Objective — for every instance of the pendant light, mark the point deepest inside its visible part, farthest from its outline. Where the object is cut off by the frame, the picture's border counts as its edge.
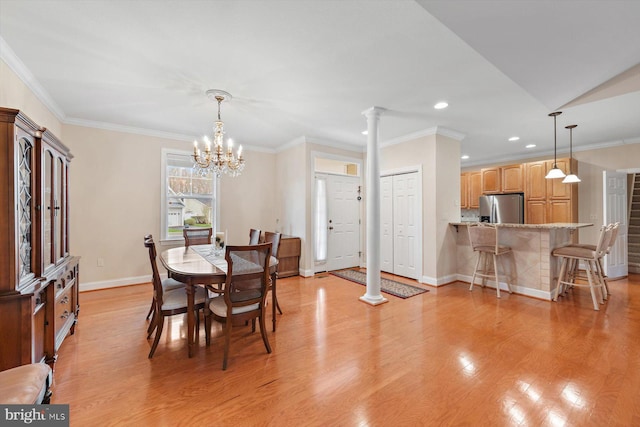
(555, 172)
(571, 178)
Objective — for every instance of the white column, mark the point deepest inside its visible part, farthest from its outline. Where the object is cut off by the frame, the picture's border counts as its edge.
(373, 295)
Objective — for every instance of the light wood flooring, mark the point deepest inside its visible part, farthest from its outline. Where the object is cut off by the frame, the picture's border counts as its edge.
(446, 357)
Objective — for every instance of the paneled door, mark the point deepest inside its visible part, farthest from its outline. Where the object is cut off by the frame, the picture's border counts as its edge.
(342, 221)
(615, 210)
(400, 216)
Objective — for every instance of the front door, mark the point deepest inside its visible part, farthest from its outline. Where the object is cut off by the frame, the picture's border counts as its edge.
(343, 222)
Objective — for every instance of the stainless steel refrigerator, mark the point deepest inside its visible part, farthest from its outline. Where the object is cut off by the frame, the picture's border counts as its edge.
(502, 208)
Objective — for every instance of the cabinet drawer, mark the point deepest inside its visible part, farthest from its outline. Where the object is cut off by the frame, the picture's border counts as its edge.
(64, 315)
(289, 247)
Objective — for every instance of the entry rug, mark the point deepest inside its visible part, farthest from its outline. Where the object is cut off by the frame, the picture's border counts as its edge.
(387, 286)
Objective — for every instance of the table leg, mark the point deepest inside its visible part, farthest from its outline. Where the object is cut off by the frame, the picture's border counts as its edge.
(190, 288)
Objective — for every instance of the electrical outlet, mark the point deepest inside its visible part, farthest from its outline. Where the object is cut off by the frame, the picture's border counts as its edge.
(100, 262)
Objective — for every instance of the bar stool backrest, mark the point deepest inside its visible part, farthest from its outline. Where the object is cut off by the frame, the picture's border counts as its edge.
(483, 237)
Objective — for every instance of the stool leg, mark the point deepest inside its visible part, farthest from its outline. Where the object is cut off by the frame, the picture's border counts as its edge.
(495, 271)
(475, 270)
(591, 286)
(603, 279)
(509, 277)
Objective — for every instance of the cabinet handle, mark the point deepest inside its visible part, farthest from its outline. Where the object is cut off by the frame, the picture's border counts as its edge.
(65, 299)
(65, 315)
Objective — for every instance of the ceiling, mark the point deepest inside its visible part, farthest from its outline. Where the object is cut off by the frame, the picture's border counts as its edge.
(309, 68)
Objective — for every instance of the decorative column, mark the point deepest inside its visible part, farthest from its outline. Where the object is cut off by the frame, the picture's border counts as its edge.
(373, 295)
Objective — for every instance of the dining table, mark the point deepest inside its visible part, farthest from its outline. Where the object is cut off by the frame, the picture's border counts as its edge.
(203, 265)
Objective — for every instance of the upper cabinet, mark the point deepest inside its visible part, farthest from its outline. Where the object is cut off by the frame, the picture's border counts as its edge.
(475, 189)
(550, 200)
(513, 179)
(470, 190)
(491, 180)
(504, 179)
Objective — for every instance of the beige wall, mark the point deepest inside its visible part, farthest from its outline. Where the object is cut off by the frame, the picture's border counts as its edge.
(439, 157)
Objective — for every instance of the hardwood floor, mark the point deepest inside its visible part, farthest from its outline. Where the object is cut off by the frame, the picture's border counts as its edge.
(446, 357)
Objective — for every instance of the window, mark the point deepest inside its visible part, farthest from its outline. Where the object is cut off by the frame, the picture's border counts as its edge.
(188, 199)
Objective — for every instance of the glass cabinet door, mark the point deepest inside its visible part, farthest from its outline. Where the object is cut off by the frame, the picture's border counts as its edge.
(48, 210)
(25, 156)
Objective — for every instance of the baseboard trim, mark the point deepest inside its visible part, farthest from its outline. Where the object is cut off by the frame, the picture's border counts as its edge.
(115, 283)
(439, 281)
(306, 273)
(534, 293)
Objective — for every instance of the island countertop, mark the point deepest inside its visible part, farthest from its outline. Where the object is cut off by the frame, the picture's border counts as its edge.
(569, 225)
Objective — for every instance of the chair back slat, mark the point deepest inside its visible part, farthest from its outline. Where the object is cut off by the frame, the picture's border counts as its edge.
(247, 275)
(254, 236)
(274, 239)
(483, 235)
(155, 274)
(197, 236)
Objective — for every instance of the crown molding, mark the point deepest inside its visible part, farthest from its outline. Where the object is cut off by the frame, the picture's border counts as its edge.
(436, 130)
(319, 141)
(20, 69)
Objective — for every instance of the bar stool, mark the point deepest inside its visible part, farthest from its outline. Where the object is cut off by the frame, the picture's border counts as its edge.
(484, 240)
(609, 244)
(571, 255)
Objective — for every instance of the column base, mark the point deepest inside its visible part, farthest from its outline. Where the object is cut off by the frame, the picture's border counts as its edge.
(373, 301)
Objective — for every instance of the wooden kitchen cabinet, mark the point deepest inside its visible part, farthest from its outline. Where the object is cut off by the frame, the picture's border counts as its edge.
(536, 184)
(536, 212)
(475, 189)
(491, 180)
(512, 178)
(464, 190)
(38, 277)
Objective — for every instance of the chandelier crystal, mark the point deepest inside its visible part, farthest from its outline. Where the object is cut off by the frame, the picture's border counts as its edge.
(218, 160)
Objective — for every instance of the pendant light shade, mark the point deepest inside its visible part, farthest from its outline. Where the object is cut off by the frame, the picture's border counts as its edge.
(571, 178)
(555, 172)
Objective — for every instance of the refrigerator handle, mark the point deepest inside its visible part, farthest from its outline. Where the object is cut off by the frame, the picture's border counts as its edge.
(494, 218)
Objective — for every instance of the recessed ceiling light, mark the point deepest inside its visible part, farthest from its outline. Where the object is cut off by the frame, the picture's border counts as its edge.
(464, 157)
(440, 105)
(365, 132)
(514, 138)
(530, 145)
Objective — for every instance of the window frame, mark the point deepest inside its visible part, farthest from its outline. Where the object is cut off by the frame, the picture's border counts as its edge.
(165, 239)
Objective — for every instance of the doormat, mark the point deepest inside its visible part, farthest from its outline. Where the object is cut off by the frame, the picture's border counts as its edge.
(388, 286)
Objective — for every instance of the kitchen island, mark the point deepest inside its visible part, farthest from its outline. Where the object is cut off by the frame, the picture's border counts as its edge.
(534, 268)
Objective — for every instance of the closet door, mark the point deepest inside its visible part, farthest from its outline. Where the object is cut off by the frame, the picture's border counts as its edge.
(386, 224)
(405, 219)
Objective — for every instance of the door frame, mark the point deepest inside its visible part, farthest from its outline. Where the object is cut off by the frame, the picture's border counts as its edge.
(322, 155)
(621, 241)
(419, 251)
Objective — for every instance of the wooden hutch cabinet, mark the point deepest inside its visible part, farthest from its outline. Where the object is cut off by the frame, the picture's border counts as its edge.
(38, 277)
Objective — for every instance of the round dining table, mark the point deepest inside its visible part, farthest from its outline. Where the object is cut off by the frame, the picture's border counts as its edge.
(200, 265)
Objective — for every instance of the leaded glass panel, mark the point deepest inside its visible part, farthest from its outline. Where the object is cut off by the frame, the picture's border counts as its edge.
(25, 200)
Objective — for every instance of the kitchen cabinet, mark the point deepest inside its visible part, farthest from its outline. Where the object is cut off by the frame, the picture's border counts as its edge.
(464, 190)
(38, 276)
(559, 201)
(491, 180)
(503, 179)
(512, 178)
(475, 189)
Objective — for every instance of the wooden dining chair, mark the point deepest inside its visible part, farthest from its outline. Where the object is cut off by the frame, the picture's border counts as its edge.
(254, 236)
(168, 284)
(167, 303)
(244, 293)
(197, 236)
(274, 239)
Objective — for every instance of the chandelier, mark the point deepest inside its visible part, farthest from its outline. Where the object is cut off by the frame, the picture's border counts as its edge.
(218, 160)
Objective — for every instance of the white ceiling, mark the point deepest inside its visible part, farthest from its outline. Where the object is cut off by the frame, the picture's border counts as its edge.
(310, 67)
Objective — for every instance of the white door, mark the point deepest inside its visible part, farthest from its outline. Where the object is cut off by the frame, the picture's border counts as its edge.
(615, 210)
(343, 222)
(405, 218)
(386, 224)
